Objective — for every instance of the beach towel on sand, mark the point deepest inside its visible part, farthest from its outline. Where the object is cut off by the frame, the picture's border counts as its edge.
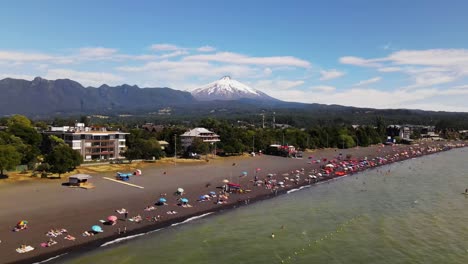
(24, 250)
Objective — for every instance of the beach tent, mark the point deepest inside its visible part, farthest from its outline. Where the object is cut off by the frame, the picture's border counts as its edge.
(22, 223)
(233, 186)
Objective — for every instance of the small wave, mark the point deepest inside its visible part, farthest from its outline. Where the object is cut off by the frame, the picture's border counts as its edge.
(49, 259)
(298, 189)
(154, 231)
(118, 240)
(191, 219)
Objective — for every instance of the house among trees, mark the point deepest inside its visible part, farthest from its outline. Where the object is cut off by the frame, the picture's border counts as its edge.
(152, 127)
(92, 144)
(408, 132)
(199, 132)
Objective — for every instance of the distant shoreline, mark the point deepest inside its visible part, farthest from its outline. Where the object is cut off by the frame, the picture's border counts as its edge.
(257, 194)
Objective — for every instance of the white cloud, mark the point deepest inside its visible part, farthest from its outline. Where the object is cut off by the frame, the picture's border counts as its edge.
(323, 88)
(461, 87)
(359, 61)
(267, 71)
(17, 76)
(368, 81)
(206, 49)
(390, 69)
(330, 74)
(230, 57)
(425, 68)
(431, 57)
(85, 78)
(94, 52)
(276, 84)
(165, 47)
(24, 56)
(425, 99)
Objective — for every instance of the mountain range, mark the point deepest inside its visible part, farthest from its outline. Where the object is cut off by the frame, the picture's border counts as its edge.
(64, 96)
(226, 98)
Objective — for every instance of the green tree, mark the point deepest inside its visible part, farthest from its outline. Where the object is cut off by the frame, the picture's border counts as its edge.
(63, 159)
(20, 126)
(144, 149)
(198, 146)
(9, 158)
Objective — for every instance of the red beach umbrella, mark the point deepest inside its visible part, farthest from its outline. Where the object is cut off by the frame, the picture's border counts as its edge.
(112, 218)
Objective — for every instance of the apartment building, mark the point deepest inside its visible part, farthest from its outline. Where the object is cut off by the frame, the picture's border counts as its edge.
(92, 144)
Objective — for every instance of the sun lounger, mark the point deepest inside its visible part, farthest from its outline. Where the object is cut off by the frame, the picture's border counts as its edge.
(121, 211)
(24, 250)
(69, 237)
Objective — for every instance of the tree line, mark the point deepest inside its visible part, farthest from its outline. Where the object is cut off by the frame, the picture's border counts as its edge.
(21, 140)
(22, 143)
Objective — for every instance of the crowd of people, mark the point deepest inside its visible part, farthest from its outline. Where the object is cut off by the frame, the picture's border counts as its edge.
(315, 169)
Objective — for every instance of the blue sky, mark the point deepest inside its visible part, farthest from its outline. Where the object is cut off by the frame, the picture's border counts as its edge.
(382, 54)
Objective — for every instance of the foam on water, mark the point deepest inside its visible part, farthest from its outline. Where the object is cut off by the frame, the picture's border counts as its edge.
(191, 219)
(118, 240)
(298, 189)
(49, 259)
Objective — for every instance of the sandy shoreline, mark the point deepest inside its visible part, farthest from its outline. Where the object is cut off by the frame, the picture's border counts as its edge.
(50, 205)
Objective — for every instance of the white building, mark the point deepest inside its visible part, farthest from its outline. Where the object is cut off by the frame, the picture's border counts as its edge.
(91, 144)
(198, 132)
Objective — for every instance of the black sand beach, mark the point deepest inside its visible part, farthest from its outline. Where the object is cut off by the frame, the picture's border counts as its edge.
(49, 205)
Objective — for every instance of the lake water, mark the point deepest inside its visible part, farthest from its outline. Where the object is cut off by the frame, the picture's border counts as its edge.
(408, 212)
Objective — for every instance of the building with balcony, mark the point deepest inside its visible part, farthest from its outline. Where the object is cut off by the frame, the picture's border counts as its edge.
(198, 132)
(92, 144)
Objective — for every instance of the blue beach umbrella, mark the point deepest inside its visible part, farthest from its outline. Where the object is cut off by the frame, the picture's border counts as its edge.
(97, 229)
(184, 200)
(212, 193)
(202, 197)
(244, 173)
(162, 200)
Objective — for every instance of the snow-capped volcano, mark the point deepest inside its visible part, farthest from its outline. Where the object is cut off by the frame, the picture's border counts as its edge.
(228, 89)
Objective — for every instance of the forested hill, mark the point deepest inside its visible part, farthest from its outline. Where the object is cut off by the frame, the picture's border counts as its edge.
(63, 96)
(45, 99)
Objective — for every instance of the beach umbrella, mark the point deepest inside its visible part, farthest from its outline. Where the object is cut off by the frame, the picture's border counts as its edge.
(225, 180)
(162, 200)
(112, 218)
(97, 229)
(330, 166)
(22, 223)
(184, 200)
(244, 173)
(281, 183)
(258, 169)
(202, 197)
(270, 175)
(212, 193)
(180, 190)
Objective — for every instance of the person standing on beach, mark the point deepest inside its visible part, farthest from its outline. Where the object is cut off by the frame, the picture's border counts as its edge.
(126, 215)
